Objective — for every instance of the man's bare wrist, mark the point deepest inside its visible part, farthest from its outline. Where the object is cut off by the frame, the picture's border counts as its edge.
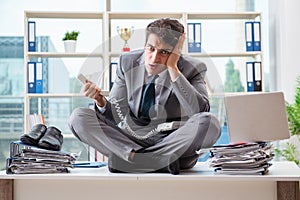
(100, 101)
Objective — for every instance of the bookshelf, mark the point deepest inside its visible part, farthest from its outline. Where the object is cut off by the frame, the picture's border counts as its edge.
(28, 56)
(110, 40)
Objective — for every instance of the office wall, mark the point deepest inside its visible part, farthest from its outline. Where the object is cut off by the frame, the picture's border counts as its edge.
(285, 52)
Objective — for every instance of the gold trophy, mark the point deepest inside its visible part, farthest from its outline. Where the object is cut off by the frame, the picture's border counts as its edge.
(125, 34)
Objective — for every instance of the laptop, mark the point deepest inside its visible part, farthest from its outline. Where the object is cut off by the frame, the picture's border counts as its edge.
(256, 117)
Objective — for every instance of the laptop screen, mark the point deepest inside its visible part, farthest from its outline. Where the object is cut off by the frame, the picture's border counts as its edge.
(256, 117)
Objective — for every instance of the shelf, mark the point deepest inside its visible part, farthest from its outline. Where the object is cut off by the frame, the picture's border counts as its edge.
(61, 54)
(10, 97)
(58, 95)
(54, 95)
(115, 54)
(125, 15)
(246, 54)
(242, 15)
(64, 15)
(141, 16)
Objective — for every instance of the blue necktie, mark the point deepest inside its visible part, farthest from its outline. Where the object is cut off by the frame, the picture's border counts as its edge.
(148, 99)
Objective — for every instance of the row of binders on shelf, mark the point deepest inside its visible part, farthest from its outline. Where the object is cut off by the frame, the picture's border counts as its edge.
(194, 37)
(26, 159)
(194, 34)
(253, 36)
(254, 76)
(241, 158)
(35, 77)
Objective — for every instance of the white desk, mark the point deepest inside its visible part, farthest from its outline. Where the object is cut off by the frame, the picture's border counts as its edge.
(282, 183)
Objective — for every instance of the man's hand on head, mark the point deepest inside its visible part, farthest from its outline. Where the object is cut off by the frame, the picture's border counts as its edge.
(174, 57)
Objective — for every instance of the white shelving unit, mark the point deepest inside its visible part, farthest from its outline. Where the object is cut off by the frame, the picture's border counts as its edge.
(32, 15)
(184, 18)
(107, 17)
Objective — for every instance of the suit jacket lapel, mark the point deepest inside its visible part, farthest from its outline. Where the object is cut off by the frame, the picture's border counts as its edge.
(137, 81)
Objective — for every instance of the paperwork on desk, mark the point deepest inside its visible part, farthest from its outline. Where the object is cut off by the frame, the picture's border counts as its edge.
(25, 159)
(241, 158)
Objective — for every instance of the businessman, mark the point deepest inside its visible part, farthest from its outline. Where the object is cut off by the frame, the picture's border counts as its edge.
(153, 86)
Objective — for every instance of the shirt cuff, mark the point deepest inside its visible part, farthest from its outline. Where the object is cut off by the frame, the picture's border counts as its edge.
(101, 109)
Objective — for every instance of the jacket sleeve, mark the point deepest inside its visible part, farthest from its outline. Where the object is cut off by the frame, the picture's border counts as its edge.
(190, 89)
(117, 104)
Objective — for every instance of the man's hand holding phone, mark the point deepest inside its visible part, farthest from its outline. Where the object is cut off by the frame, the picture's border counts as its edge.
(91, 90)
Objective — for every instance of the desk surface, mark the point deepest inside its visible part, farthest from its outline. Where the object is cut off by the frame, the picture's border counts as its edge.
(279, 171)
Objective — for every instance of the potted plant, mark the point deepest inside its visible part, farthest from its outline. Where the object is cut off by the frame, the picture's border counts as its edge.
(291, 150)
(70, 39)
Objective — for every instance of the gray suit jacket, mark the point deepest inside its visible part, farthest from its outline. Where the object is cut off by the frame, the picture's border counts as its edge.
(178, 100)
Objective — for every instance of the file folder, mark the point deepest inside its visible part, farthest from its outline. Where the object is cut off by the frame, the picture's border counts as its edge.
(190, 33)
(112, 73)
(31, 77)
(250, 74)
(257, 76)
(39, 77)
(89, 164)
(249, 36)
(194, 37)
(31, 36)
(256, 36)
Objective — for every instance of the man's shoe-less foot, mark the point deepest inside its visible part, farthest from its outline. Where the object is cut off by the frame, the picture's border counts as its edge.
(173, 167)
(162, 165)
(118, 165)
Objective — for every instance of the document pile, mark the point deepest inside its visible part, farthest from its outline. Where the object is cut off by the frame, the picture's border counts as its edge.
(241, 158)
(25, 159)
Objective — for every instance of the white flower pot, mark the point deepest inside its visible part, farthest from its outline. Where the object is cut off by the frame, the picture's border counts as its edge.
(70, 46)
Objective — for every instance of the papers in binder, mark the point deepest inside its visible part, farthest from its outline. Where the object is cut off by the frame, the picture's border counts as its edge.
(241, 158)
(194, 37)
(250, 81)
(257, 76)
(26, 159)
(256, 36)
(39, 77)
(249, 36)
(253, 36)
(254, 76)
(31, 77)
(31, 36)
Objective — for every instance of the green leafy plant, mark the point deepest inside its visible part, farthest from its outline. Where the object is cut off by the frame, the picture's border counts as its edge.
(71, 35)
(293, 111)
(290, 152)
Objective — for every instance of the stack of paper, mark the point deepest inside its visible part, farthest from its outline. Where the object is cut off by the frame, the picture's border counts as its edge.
(25, 159)
(241, 158)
